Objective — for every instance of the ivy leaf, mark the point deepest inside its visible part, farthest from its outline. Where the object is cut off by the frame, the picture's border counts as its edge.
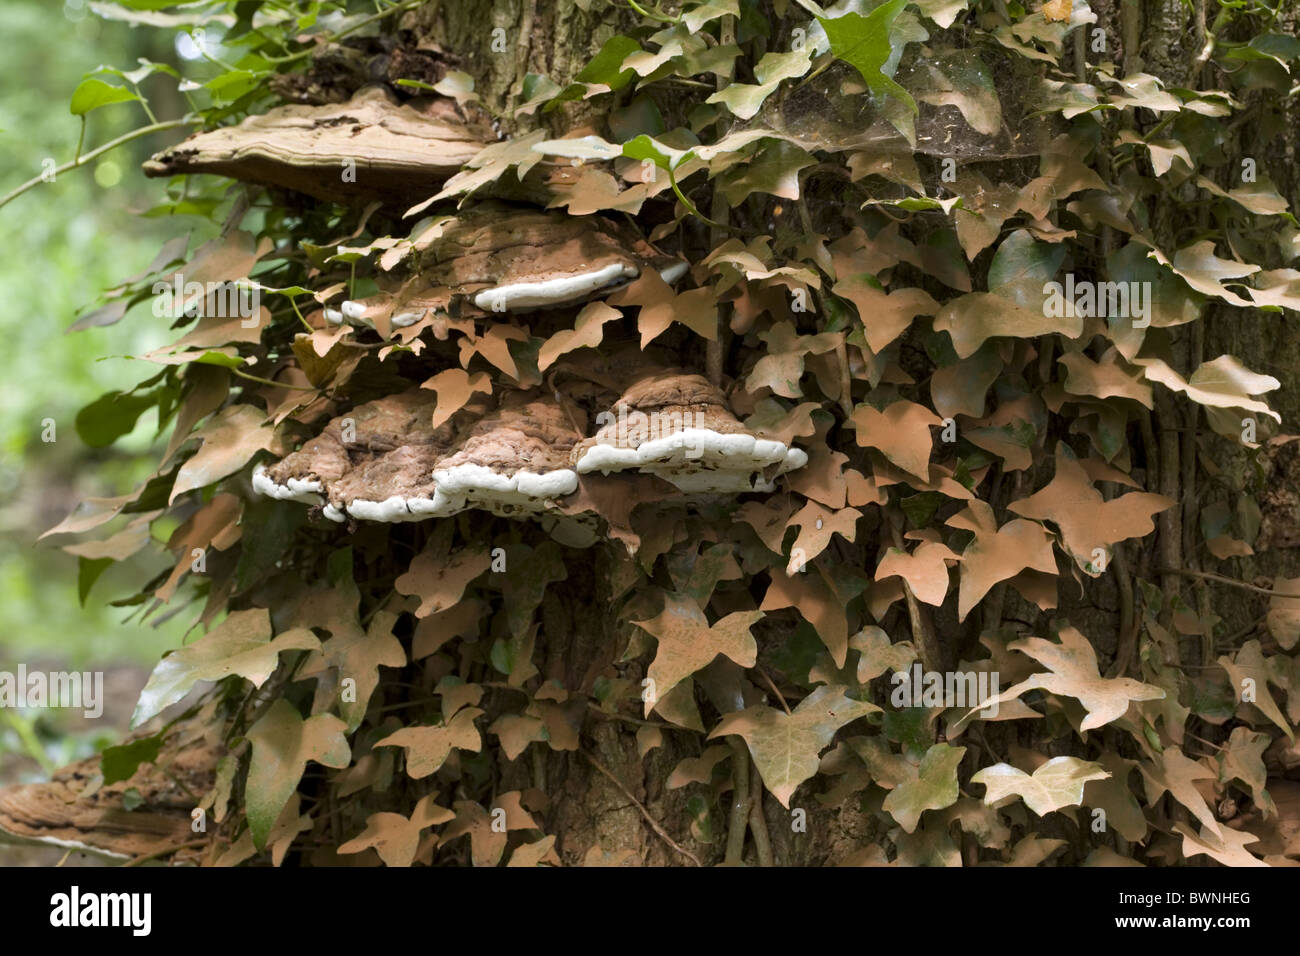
(588, 329)
(439, 580)
(785, 746)
(745, 99)
(972, 318)
(1249, 669)
(282, 744)
(1088, 522)
(91, 94)
(427, 748)
(397, 838)
(606, 66)
(864, 43)
(687, 642)
(120, 763)
(934, 788)
(1021, 266)
(1056, 784)
(241, 644)
(660, 306)
(1074, 673)
(454, 388)
(901, 432)
(1177, 773)
(1228, 849)
(355, 654)
(230, 439)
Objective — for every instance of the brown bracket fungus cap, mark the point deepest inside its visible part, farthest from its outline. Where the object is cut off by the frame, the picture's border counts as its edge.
(675, 425)
(374, 463)
(396, 150)
(69, 811)
(497, 258)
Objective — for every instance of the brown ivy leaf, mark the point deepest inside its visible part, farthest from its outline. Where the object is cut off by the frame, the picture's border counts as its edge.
(817, 603)
(395, 837)
(972, 318)
(785, 746)
(215, 525)
(997, 554)
(232, 437)
(697, 309)
(1221, 383)
(901, 432)
(588, 329)
(1088, 523)
(282, 745)
(487, 836)
(454, 388)
(1228, 848)
(924, 569)
(1284, 612)
(770, 520)
(687, 642)
(1057, 783)
(1242, 758)
(1176, 772)
(427, 748)
(885, 316)
(440, 580)
(241, 644)
(1074, 673)
(816, 525)
(494, 345)
(782, 367)
(1105, 379)
(357, 655)
(1250, 674)
(934, 788)
(595, 190)
(698, 769)
(823, 479)
(877, 654)
(535, 854)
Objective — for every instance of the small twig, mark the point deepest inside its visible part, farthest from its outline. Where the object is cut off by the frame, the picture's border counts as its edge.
(770, 683)
(738, 825)
(1220, 579)
(654, 824)
(82, 160)
(757, 821)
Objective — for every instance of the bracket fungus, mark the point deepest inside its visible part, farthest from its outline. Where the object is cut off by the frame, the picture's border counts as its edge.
(498, 258)
(72, 812)
(384, 460)
(676, 425)
(392, 150)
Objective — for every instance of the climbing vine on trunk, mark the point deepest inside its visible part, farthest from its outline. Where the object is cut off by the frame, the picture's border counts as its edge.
(789, 435)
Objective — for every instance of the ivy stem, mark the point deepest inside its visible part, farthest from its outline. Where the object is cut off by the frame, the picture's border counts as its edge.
(94, 153)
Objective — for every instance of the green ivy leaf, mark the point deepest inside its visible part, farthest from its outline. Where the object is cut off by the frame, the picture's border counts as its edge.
(91, 94)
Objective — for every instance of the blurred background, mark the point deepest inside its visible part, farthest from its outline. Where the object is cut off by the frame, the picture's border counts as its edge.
(61, 245)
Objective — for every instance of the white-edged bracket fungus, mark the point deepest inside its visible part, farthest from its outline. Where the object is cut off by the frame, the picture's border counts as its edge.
(383, 460)
(395, 150)
(676, 426)
(499, 258)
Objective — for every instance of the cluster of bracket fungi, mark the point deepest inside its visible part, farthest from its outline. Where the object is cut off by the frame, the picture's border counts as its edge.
(520, 454)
